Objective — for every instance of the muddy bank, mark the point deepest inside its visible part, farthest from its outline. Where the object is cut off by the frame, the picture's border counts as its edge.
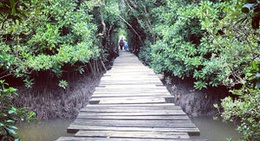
(54, 102)
(195, 102)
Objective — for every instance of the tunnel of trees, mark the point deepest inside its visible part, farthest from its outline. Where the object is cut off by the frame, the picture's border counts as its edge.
(211, 41)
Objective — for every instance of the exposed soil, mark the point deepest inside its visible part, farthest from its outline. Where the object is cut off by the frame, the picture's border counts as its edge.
(195, 102)
(55, 102)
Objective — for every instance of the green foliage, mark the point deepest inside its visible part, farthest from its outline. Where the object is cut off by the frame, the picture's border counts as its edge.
(53, 34)
(246, 108)
(13, 10)
(213, 42)
(10, 115)
(63, 84)
(246, 112)
(202, 40)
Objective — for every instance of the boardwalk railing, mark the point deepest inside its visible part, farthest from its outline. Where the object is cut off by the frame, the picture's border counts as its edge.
(131, 104)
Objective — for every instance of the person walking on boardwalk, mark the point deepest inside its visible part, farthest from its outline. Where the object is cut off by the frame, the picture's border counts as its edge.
(126, 48)
(121, 43)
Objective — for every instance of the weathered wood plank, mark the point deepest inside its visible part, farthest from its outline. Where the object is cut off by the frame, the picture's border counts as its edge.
(112, 95)
(141, 82)
(136, 123)
(130, 75)
(121, 139)
(136, 85)
(133, 90)
(130, 78)
(133, 100)
(127, 72)
(158, 113)
(119, 87)
(133, 105)
(105, 117)
(129, 98)
(133, 108)
(132, 134)
(128, 110)
(76, 128)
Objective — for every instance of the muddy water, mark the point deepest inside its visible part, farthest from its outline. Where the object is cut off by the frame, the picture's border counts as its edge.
(215, 130)
(53, 129)
(44, 130)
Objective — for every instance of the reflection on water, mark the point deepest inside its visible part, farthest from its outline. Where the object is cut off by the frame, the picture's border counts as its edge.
(215, 130)
(44, 130)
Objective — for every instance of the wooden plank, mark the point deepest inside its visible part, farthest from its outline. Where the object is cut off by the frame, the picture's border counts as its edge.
(132, 101)
(129, 98)
(112, 95)
(134, 84)
(129, 78)
(159, 107)
(132, 134)
(121, 139)
(117, 76)
(75, 128)
(172, 112)
(136, 123)
(141, 82)
(129, 110)
(154, 113)
(143, 86)
(131, 92)
(130, 73)
(115, 72)
(134, 105)
(105, 117)
(102, 90)
(134, 89)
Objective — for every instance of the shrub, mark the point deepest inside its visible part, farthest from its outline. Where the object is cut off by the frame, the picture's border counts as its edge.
(10, 115)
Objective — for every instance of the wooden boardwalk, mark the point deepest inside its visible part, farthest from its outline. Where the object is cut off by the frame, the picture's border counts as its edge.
(131, 104)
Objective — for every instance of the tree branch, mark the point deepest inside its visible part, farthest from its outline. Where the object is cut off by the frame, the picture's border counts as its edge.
(102, 21)
(139, 37)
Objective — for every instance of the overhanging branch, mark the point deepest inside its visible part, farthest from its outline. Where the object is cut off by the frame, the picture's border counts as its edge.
(128, 24)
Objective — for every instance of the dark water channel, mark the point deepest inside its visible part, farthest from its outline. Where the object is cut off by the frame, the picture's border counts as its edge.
(214, 130)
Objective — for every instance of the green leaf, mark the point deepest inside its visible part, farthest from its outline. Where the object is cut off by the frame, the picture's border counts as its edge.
(12, 2)
(12, 131)
(10, 121)
(254, 65)
(200, 85)
(12, 110)
(31, 114)
(12, 127)
(12, 90)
